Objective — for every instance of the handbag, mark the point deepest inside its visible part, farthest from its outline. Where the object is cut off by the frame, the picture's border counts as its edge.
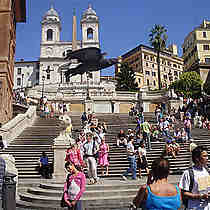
(63, 202)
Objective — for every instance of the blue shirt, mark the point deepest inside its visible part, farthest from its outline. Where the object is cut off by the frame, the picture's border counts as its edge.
(155, 202)
(44, 160)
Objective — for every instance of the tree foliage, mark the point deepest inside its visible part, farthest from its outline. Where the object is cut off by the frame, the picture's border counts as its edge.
(206, 87)
(157, 39)
(189, 84)
(126, 79)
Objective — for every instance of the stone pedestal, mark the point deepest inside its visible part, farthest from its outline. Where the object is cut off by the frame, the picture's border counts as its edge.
(11, 168)
(60, 146)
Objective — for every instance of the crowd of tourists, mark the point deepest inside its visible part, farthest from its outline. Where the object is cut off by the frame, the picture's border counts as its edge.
(50, 109)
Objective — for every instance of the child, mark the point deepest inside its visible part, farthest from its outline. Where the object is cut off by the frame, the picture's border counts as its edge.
(74, 187)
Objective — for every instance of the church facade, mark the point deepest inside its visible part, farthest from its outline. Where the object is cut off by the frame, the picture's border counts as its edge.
(53, 51)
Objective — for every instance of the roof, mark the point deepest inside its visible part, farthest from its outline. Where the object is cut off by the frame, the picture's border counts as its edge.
(52, 13)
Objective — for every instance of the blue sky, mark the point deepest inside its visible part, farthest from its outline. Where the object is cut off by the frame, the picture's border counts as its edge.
(124, 24)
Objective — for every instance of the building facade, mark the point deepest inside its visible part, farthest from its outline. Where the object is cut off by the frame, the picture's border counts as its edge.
(196, 50)
(26, 74)
(11, 12)
(53, 49)
(143, 60)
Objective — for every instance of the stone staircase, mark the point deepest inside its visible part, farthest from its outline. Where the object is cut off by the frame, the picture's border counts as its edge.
(28, 147)
(112, 192)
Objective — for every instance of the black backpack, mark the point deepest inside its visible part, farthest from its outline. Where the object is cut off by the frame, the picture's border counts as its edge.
(185, 198)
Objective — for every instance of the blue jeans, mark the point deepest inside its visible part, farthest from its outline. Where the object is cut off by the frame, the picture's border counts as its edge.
(78, 206)
(132, 167)
(188, 133)
(146, 138)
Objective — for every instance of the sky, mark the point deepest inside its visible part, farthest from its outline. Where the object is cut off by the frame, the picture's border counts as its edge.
(124, 24)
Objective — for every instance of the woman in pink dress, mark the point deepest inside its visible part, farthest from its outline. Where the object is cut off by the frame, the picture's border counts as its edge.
(103, 157)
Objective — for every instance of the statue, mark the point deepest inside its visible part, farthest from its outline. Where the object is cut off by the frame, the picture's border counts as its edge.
(89, 59)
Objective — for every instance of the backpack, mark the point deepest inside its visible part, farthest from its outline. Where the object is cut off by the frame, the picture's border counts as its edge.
(185, 199)
(63, 202)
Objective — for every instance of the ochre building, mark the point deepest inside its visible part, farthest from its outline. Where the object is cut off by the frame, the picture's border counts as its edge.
(11, 12)
(143, 60)
(196, 50)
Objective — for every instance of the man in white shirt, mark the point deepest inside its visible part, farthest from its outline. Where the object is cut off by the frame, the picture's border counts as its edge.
(198, 196)
(90, 149)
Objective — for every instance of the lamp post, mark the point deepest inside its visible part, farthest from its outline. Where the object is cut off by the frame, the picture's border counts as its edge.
(22, 82)
(43, 79)
(170, 80)
(88, 94)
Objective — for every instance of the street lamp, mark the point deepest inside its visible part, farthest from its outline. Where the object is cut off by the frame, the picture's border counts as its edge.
(43, 78)
(88, 94)
(170, 80)
(22, 82)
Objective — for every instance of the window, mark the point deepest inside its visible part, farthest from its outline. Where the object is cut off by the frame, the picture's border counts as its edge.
(204, 34)
(174, 65)
(151, 58)
(205, 47)
(145, 56)
(153, 66)
(18, 81)
(139, 80)
(154, 74)
(175, 73)
(49, 35)
(154, 83)
(165, 77)
(147, 82)
(207, 60)
(19, 71)
(90, 33)
(37, 75)
(147, 73)
(147, 64)
(48, 75)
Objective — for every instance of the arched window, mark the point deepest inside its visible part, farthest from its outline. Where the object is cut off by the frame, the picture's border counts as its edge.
(49, 35)
(90, 33)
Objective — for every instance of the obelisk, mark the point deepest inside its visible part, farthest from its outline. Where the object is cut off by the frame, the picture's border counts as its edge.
(74, 32)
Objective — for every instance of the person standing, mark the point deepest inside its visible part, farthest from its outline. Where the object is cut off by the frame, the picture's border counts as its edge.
(198, 195)
(142, 159)
(146, 134)
(131, 159)
(90, 150)
(103, 156)
(2, 174)
(188, 127)
(74, 187)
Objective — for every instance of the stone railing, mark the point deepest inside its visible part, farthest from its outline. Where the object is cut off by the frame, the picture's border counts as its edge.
(14, 127)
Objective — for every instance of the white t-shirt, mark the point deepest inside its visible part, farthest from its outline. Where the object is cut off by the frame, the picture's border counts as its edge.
(166, 125)
(130, 150)
(142, 151)
(201, 185)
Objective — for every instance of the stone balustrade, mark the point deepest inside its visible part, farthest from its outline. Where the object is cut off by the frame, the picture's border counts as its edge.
(14, 127)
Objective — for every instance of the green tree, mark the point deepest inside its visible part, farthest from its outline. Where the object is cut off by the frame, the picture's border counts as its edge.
(157, 39)
(189, 84)
(206, 87)
(126, 79)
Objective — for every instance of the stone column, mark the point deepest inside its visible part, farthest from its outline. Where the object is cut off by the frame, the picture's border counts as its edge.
(60, 146)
